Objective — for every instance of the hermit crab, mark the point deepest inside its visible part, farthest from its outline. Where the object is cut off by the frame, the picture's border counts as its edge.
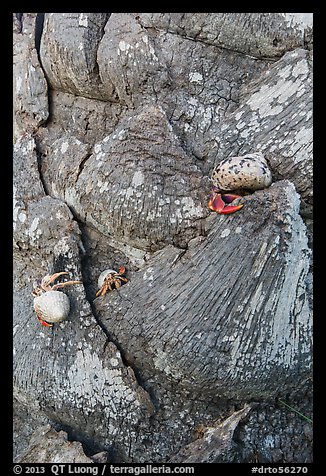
(111, 279)
(51, 306)
(247, 173)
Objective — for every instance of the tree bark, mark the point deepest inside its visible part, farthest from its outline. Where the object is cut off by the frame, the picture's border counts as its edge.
(119, 121)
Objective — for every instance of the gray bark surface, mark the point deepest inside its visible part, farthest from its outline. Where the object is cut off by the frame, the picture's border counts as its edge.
(217, 327)
(214, 444)
(119, 121)
(49, 446)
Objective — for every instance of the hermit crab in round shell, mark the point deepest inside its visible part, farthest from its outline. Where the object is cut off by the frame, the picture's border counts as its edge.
(247, 173)
(111, 279)
(51, 306)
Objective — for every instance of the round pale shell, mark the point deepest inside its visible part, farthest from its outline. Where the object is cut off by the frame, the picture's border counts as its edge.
(52, 306)
(103, 275)
(249, 172)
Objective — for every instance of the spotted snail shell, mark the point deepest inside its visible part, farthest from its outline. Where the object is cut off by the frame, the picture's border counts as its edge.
(248, 172)
(52, 306)
(103, 275)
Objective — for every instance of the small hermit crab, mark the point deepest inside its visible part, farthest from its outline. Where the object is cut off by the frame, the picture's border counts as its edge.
(244, 173)
(51, 306)
(111, 279)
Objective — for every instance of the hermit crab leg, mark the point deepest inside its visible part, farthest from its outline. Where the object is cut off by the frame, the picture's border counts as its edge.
(67, 283)
(47, 281)
(54, 276)
(101, 291)
(50, 279)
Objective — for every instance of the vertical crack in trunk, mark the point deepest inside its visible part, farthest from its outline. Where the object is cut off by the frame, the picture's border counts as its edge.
(39, 23)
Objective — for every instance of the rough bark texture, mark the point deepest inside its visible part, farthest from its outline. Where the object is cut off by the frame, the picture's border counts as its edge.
(119, 121)
(214, 444)
(49, 446)
(218, 328)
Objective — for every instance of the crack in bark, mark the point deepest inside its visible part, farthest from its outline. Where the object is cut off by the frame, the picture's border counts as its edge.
(19, 18)
(39, 163)
(82, 165)
(96, 70)
(125, 361)
(209, 43)
(94, 313)
(39, 24)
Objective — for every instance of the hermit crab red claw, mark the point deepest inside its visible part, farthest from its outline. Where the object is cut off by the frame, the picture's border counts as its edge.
(221, 202)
